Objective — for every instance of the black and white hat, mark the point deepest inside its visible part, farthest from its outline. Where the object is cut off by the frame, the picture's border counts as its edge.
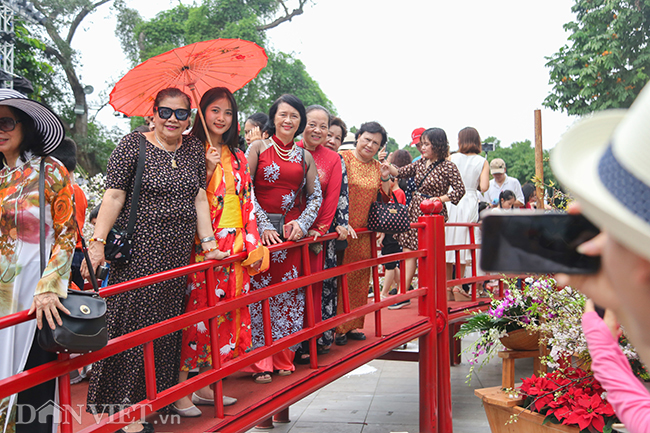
(603, 160)
(47, 123)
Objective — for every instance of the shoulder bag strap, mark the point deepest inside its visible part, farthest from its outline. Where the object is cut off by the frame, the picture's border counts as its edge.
(433, 166)
(91, 271)
(392, 193)
(41, 211)
(136, 188)
(302, 184)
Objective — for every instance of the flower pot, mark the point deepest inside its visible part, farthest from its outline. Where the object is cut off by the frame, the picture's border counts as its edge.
(499, 407)
(521, 339)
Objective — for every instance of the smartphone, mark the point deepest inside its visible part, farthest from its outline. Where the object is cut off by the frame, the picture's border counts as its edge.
(537, 242)
(287, 229)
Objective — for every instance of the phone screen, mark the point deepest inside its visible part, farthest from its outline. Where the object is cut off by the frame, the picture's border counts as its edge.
(537, 242)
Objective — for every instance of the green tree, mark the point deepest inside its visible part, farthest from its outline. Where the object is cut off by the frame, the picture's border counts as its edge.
(29, 62)
(63, 89)
(213, 19)
(608, 61)
(520, 160)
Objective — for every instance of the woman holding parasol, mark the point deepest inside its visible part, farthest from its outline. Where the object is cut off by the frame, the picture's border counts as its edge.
(233, 220)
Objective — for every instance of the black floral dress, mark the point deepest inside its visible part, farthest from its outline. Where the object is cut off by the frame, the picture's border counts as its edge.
(163, 239)
(429, 184)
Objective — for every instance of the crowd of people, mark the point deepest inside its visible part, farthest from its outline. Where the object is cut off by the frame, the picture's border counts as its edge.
(201, 196)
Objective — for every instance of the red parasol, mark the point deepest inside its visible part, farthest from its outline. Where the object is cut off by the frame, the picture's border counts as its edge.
(198, 67)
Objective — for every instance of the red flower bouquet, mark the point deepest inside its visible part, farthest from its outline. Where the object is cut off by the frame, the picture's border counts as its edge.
(569, 396)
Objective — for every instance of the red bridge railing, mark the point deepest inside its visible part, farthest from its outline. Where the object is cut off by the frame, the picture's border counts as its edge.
(431, 327)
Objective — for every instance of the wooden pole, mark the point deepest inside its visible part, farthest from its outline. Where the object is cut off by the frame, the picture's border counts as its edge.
(197, 100)
(539, 159)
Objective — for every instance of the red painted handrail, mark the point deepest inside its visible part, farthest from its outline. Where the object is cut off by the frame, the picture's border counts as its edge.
(435, 414)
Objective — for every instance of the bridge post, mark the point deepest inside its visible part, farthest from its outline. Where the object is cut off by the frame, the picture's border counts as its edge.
(435, 383)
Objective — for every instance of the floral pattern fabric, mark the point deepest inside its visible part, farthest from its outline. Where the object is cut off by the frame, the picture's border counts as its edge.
(163, 239)
(428, 185)
(20, 267)
(287, 309)
(364, 183)
(230, 179)
(330, 286)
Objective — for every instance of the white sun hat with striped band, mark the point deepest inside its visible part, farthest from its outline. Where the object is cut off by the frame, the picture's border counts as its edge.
(47, 123)
(604, 161)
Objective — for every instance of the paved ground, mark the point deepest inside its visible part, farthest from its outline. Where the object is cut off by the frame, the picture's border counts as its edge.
(382, 397)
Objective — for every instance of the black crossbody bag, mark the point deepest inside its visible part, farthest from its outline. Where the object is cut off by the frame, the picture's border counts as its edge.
(84, 330)
(119, 243)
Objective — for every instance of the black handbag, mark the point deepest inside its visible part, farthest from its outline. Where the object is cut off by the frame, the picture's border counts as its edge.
(119, 243)
(84, 330)
(389, 218)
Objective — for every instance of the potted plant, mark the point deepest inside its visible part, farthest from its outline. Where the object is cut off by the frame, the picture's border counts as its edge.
(569, 399)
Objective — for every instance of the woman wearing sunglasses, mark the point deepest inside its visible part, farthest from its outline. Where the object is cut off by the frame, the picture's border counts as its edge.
(172, 208)
(29, 132)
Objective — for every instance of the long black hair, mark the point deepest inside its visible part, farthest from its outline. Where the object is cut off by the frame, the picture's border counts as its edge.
(230, 138)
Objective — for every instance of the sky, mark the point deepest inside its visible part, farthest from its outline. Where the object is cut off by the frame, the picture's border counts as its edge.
(426, 63)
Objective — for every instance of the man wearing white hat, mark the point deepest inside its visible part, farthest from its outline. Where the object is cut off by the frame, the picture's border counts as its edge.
(603, 161)
(501, 182)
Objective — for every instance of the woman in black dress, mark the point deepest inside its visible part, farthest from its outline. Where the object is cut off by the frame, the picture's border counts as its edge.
(172, 208)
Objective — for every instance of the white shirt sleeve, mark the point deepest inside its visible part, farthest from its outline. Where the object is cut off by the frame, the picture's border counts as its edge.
(516, 188)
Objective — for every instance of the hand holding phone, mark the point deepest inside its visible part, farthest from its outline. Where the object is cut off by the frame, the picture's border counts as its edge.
(537, 242)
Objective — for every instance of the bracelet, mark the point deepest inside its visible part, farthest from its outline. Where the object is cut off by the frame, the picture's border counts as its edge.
(209, 250)
(384, 180)
(208, 239)
(97, 240)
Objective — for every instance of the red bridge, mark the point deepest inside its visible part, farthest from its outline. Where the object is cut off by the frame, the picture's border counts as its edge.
(430, 318)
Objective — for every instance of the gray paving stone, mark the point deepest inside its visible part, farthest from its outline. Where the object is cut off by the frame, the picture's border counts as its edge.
(391, 428)
(313, 427)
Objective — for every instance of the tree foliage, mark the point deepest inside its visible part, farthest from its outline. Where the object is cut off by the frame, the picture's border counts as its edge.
(608, 61)
(520, 160)
(183, 25)
(30, 62)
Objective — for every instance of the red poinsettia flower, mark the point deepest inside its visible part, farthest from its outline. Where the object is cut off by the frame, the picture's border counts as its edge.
(588, 412)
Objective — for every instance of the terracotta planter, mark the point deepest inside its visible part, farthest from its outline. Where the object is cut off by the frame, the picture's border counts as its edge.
(521, 339)
(499, 407)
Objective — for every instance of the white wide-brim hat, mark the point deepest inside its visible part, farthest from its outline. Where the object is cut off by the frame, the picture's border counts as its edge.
(47, 123)
(604, 161)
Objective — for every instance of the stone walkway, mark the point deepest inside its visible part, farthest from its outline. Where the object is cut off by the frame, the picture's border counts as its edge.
(382, 397)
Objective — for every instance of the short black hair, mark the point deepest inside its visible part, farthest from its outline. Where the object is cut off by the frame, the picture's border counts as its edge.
(372, 128)
(258, 119)
(66, 152)
(337, 121)
(439, 143)
(171, 92)
(296, 103)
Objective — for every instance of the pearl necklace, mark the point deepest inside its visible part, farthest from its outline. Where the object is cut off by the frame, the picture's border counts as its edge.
(173, 155)
(284, 155)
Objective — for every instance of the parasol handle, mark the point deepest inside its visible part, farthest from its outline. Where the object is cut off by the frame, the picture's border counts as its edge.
(198, 106)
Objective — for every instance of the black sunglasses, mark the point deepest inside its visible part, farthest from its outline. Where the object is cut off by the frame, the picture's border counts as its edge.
(7, 124)
(180, 113)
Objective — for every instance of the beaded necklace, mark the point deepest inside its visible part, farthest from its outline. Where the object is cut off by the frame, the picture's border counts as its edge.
(284, 155)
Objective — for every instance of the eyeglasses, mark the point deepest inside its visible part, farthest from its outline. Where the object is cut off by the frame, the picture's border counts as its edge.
(166, 113)
(7, 124)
